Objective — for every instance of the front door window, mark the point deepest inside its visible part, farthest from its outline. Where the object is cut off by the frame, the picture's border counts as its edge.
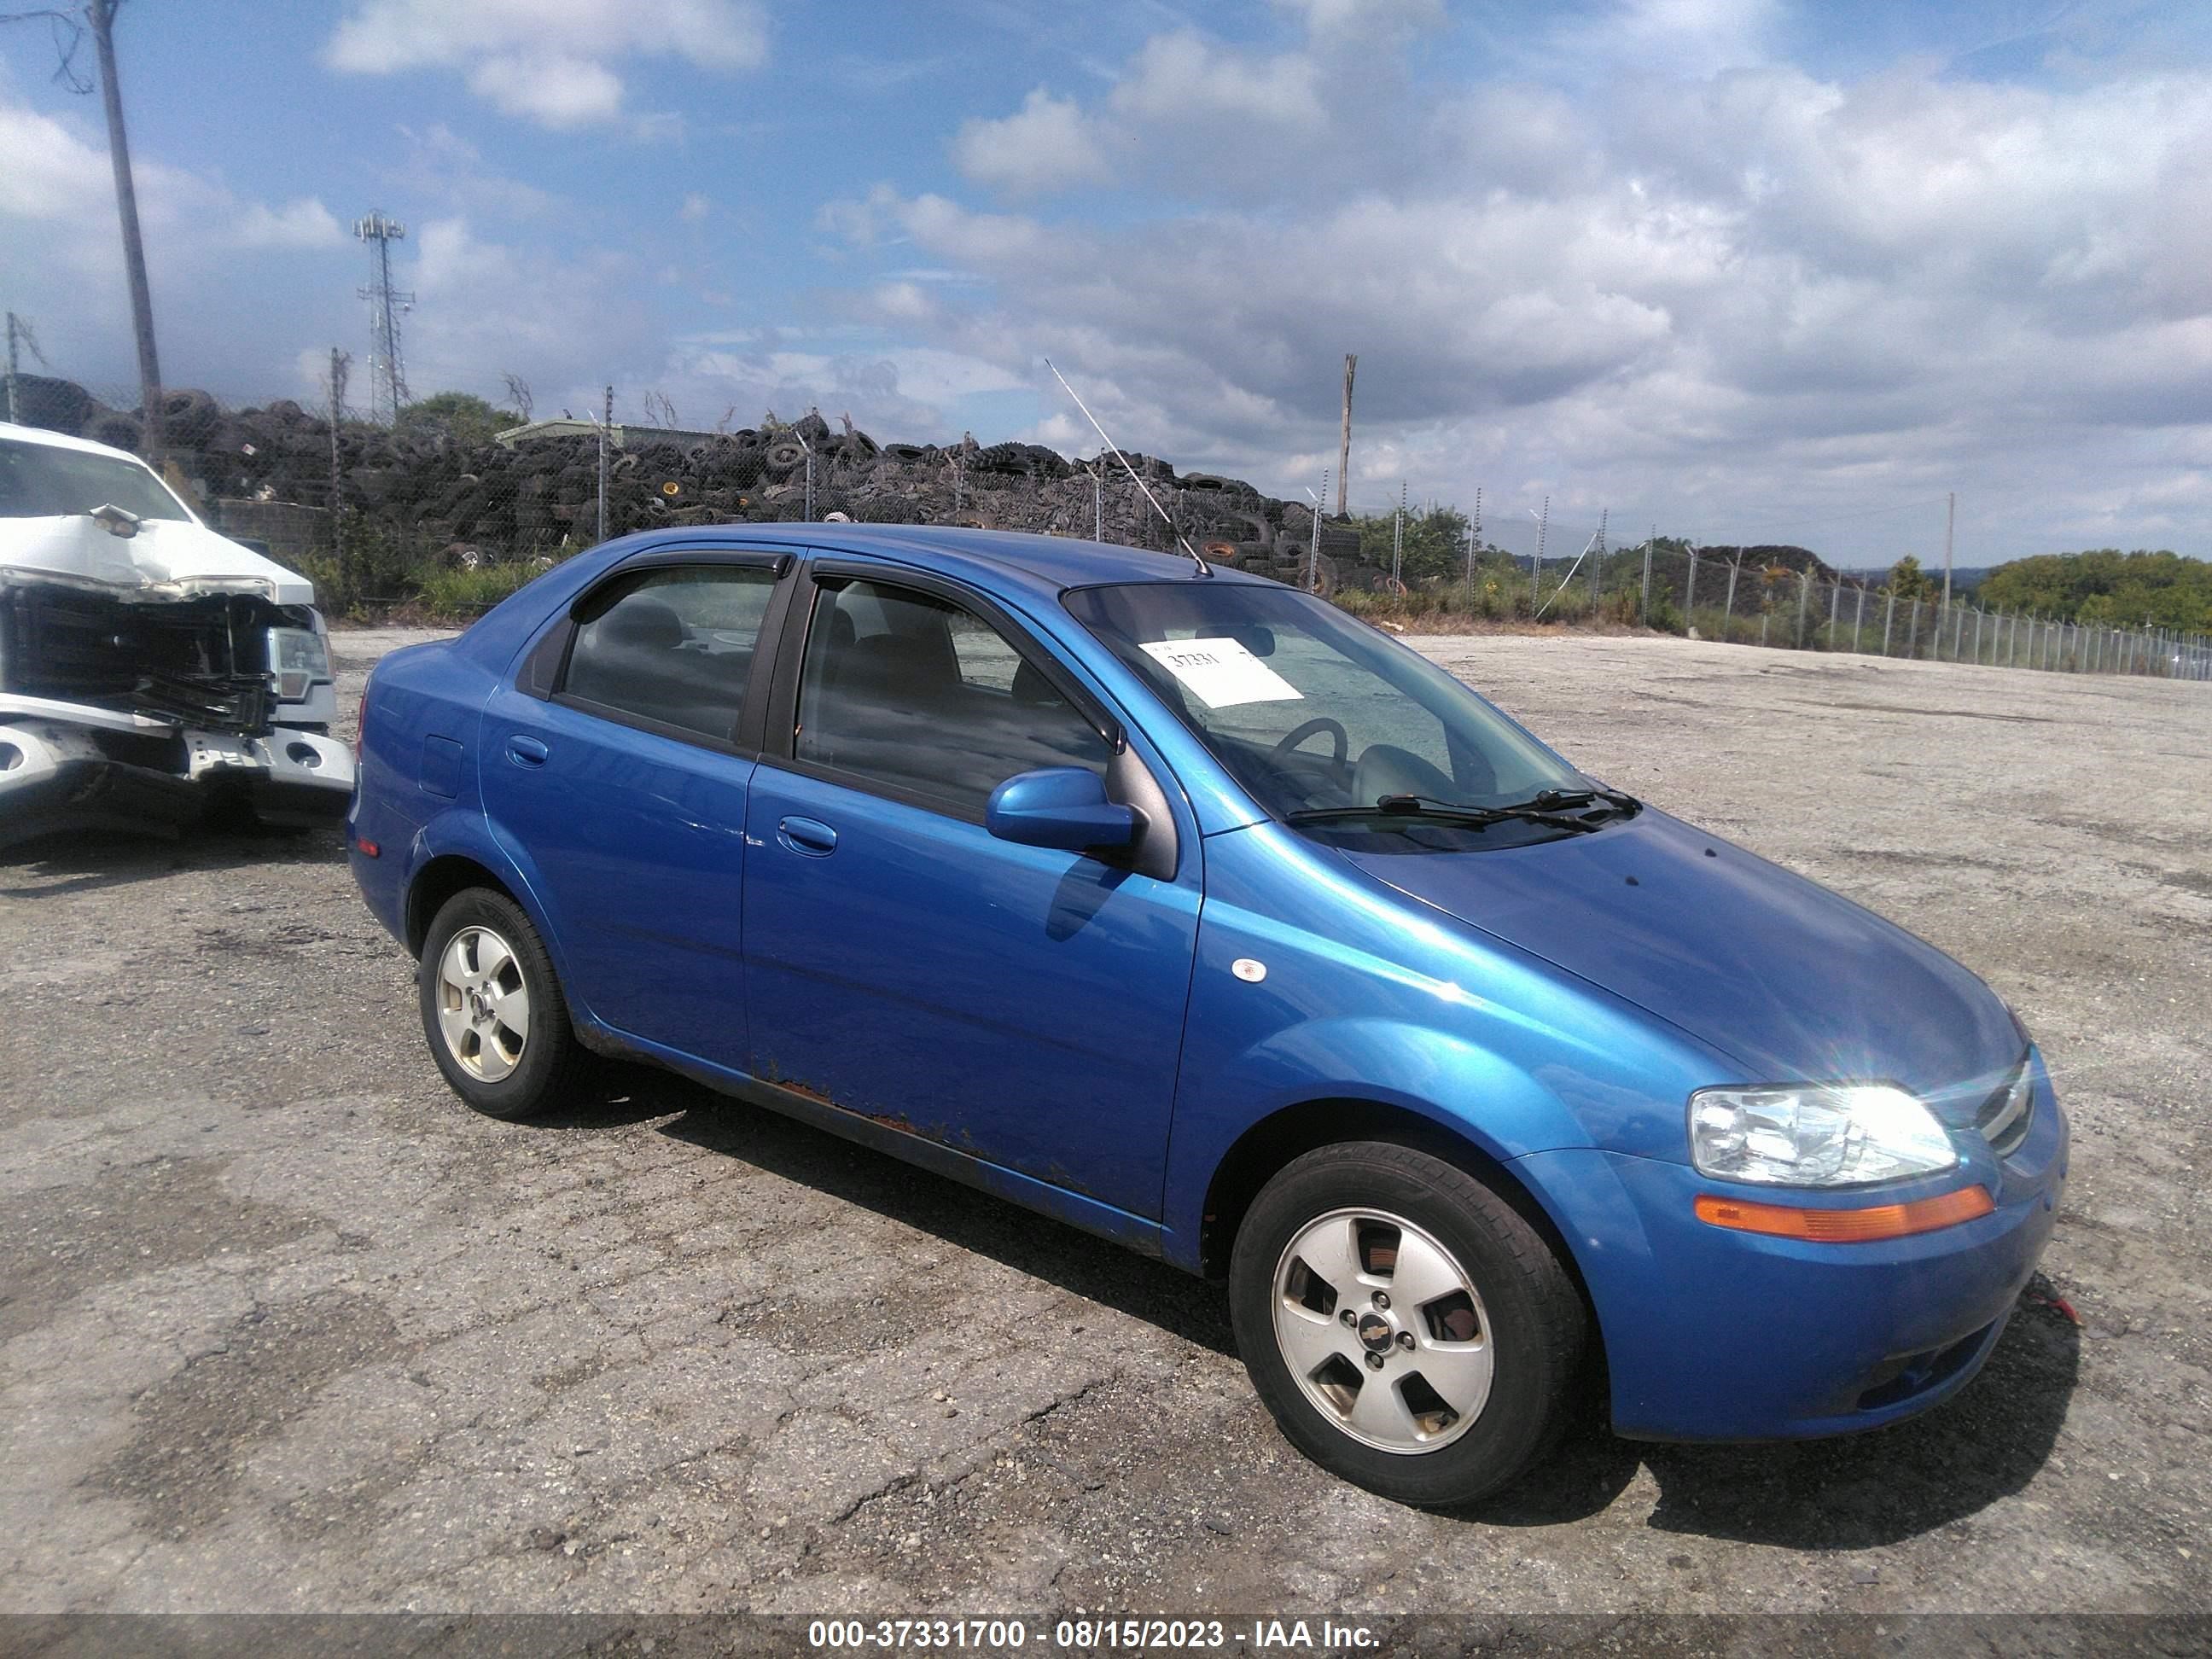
(910, 694)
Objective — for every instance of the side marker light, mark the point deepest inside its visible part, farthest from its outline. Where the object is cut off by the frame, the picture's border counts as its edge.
(1862, 1227)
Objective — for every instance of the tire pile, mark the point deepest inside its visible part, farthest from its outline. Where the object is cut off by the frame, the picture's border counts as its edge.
(485, 503)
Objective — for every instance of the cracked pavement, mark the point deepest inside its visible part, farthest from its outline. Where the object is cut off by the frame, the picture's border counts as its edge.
(283, 1327)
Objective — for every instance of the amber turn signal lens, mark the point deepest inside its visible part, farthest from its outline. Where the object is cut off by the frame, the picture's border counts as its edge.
(1880, 1221)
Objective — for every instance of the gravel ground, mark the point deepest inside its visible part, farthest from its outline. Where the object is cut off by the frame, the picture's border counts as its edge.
(283, 1327)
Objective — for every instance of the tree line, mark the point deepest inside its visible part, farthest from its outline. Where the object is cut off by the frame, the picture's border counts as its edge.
(2159, 589)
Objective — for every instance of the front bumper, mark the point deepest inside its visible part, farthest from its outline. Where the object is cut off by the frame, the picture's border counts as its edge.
(107, 771)
(1716, 1334)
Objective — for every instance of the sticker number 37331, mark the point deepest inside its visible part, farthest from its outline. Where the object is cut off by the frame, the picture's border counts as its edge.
(1221, 672)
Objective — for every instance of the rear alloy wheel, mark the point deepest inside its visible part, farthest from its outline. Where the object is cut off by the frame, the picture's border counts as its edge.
(483, 1006)
(1407, 1327)
(492, 1010)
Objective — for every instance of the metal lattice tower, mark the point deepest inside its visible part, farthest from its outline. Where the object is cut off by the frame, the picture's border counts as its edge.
(387, 380)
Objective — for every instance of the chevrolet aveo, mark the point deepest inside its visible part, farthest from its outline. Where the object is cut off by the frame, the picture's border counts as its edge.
(1182, 908)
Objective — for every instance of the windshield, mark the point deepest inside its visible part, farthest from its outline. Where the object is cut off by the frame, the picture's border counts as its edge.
(40, 480)
(1310, 710)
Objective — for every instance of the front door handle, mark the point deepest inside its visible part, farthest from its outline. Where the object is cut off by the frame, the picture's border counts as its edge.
(526, 750)
(809, 836)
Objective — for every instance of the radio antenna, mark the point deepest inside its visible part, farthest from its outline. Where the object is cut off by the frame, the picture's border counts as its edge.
(1204, 569)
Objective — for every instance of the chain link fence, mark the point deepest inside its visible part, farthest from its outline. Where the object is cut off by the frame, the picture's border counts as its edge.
(452, 511)
(1775, 596)
(1808, 610)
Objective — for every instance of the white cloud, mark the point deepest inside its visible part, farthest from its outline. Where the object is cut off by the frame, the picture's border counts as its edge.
(1676, 38)
(51, 173)
(1188, 114)
(551, 87)
(1336, 18)
(1182, 76)
(207, 250)
(1048, 144)
(903, 302)
(1750, 296)
(549, 61)
(486, 307)
(303, 224)
(1650, 264)
(442, 167)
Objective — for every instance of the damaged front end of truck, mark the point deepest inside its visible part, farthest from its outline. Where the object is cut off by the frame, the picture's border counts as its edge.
(151, 670)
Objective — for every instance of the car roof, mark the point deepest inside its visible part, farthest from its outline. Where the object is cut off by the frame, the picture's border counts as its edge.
(39, 434)
(1046, 564)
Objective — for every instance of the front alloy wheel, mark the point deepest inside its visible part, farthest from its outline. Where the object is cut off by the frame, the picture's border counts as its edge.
(1383, 1330)
(1409, 1328)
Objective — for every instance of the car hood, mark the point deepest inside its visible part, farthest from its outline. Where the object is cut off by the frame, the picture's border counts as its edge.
(1794, 982)
(167, 554)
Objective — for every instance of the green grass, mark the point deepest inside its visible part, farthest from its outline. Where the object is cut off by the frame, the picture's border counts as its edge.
(463, 595)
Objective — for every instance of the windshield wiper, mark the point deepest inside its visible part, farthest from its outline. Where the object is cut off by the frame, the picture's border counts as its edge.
(1552, 800)
(1422, 809)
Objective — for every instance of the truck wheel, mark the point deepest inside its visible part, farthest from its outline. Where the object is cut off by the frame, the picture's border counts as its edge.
(1406, 1327)
(492, 1010)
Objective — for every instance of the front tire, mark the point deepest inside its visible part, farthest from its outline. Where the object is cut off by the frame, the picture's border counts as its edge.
(1408, 1329)
(492, 1008)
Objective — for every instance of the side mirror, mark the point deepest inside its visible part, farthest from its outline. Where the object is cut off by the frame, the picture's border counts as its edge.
(1061, 806)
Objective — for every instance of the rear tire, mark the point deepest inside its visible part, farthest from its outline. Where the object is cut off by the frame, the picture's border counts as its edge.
(492, 1009)
(1440, 1395)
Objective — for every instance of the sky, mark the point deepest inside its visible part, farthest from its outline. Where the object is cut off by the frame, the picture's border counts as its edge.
(1741, 270)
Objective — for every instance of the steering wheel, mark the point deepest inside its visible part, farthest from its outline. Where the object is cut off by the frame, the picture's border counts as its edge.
(1298, 735)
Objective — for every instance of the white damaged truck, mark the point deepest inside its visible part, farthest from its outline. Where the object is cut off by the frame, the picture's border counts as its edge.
(150, 670)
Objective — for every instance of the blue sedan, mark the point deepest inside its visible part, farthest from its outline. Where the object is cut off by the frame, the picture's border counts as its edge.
(1182, 906)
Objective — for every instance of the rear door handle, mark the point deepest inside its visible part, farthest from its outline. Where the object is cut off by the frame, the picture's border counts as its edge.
(525, 752)
(809, 836)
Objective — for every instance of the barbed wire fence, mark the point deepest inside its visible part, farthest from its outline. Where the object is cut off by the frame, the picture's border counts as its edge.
(455, 513)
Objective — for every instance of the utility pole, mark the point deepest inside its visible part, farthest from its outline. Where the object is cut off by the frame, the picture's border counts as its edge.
(339, 363)
(1597, 570)
(1398, 537)
(1344, 449)
(101, 14)
(1313, 554)
(1950, 512)
(1536, 565)
(606, 430)
(19, 333)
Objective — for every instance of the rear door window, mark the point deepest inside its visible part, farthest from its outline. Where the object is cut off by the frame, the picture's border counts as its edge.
(674, 650)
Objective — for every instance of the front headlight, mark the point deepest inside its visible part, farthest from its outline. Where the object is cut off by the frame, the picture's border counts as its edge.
(299, 658)
(1815, 1134)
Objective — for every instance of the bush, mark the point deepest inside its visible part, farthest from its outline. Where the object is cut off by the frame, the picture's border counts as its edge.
(378, 562)
(464, 595)
(322, 570)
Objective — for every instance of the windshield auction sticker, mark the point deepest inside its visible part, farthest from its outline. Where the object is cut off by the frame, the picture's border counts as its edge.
(1220, 673)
